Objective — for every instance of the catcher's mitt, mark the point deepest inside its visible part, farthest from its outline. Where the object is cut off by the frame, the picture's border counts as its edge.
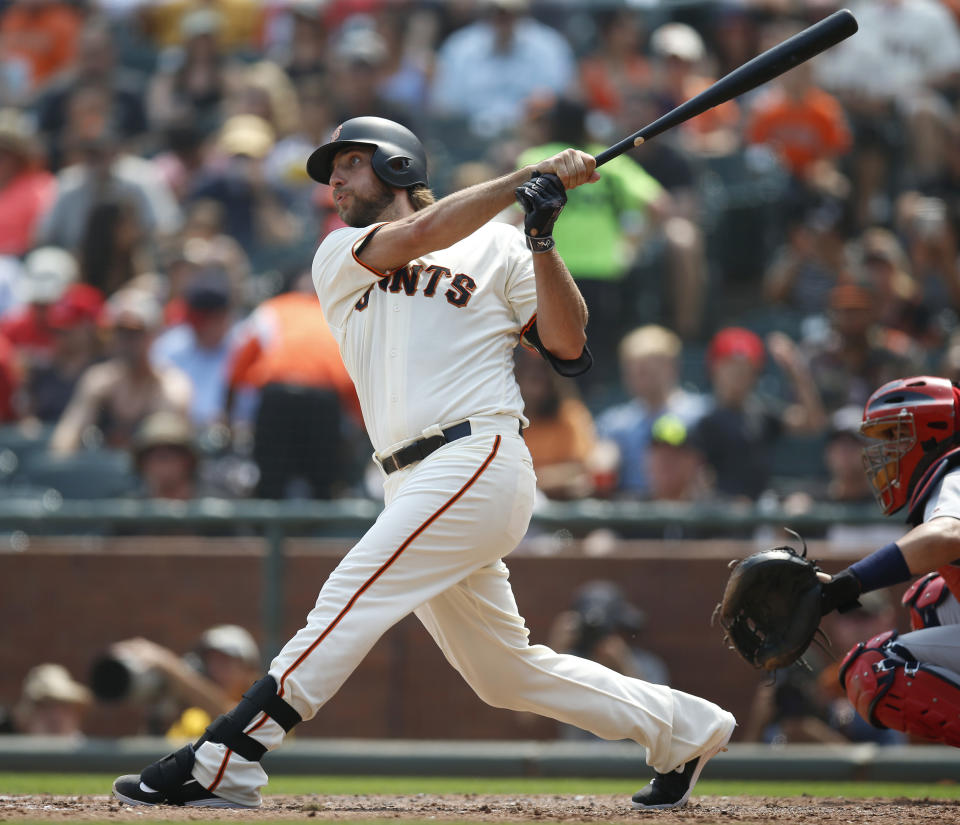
(772, 606)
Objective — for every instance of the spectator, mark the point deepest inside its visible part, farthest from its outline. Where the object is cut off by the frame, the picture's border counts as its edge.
(27, 190)
(112, 398)
(39, 37)
(813, 258)
(236, 22)
(931, 244)
(616, 66)
(857, 353)
(601, 230)
(205, 244)
(181, 156)
(11, 376)
(649, 367)
(190, 81)
(285, 166)
(734, 33)
(166, 458)
(601, 625)
(50, 383)
(675, 465)
(885, 268)
(48, 271)
(200, 347)
(297, 39)
(802, 123)
(51, 703)
(307, 427)
(409, 35)
(357, 71)
(113, 249)
(487, 70)
(190, 690)
(101, 166)
(264, 89)
(678, 53)
(560, 435)
(904, 51)
(95, 65)
(255, 211)
(739, 432)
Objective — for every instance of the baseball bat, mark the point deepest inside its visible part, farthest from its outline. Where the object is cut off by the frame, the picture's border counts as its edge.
(772, 63)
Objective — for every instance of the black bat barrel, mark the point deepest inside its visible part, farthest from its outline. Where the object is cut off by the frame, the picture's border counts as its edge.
(772, 63)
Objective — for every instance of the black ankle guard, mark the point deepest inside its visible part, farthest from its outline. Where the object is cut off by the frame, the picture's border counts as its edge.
(261, 697)
(170, 773)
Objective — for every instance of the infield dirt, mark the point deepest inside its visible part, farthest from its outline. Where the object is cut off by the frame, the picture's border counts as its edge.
(491, 808)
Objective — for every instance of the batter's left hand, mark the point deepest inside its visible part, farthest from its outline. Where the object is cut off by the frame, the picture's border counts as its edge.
(572, 166)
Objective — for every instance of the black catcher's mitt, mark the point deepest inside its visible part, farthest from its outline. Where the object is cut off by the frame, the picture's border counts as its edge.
(772, 606)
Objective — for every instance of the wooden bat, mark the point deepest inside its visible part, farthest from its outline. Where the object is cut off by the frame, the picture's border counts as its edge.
(772, 63)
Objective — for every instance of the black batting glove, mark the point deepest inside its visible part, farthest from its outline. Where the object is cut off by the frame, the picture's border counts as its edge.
(840, 593)
(542, 199)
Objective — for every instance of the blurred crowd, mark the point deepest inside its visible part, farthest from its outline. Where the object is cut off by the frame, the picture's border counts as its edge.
(751, 275)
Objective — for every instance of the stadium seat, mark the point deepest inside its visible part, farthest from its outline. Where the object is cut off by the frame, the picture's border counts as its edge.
(95, 474)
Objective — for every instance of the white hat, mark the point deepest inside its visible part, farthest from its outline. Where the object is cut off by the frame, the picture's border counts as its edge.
(48, 271)
(360, 42)
(134, 307)
(677, 40)
(232, 640)
(52, 682)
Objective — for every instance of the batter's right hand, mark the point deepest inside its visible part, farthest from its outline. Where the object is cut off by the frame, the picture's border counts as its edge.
(572, 166)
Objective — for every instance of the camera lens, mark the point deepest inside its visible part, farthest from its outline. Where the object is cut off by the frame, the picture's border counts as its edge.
(110, 679)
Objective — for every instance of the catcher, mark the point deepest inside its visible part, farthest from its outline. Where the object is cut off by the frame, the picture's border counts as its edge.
(774, 599)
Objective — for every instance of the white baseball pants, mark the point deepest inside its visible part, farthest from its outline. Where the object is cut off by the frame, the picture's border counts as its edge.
(436, 550)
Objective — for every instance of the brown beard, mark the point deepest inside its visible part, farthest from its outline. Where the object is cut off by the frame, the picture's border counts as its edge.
(365, 211)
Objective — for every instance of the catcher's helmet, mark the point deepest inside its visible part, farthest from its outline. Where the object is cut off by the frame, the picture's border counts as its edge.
(911, 422)
(398, 160)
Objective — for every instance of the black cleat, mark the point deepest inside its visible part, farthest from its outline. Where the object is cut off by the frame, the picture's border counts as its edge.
(672, 790)
(132, 791)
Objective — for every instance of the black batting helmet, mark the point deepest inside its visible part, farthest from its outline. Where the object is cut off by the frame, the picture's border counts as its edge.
(398, 160)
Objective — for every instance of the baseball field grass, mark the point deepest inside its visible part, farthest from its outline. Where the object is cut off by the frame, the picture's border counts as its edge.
(83, 784)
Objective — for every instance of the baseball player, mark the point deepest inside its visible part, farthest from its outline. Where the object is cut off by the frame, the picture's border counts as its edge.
(911, 682)
(427, 302)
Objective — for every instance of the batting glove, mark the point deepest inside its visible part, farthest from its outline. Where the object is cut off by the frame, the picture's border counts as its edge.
(542, 199)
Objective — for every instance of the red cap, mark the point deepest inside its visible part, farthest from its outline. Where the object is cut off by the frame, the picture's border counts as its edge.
(81, 302)
(736, 341)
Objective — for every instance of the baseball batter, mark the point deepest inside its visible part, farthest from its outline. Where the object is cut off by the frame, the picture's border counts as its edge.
(911, 682)
(427, 302)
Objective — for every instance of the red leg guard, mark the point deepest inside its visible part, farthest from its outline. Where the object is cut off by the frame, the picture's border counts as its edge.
(889, 692)
(923, 598)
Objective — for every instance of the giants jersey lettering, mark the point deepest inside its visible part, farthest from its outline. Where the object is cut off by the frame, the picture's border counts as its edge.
(446, 324)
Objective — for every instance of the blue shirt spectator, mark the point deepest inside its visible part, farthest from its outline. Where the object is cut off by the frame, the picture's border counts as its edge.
(649, 367)
(201, 346)
(487, 70)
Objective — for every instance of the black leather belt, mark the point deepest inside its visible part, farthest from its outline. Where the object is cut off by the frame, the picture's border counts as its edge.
(420, 449)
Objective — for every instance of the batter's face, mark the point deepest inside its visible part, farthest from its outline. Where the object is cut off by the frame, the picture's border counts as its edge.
(359, 196)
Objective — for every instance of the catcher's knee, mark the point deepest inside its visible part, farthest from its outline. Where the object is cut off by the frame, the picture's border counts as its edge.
(890, 689)
(261, 697)
(923, 599)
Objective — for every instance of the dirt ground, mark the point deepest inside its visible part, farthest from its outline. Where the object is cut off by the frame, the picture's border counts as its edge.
(484, 808)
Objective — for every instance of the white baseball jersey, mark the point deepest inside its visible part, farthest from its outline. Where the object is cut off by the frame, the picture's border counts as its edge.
(431, 343)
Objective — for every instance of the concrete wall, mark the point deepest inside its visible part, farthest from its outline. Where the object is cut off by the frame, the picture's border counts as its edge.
(65, 599)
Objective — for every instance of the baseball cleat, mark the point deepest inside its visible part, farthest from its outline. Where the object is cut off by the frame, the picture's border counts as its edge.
(132, 791)
(672, 790)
